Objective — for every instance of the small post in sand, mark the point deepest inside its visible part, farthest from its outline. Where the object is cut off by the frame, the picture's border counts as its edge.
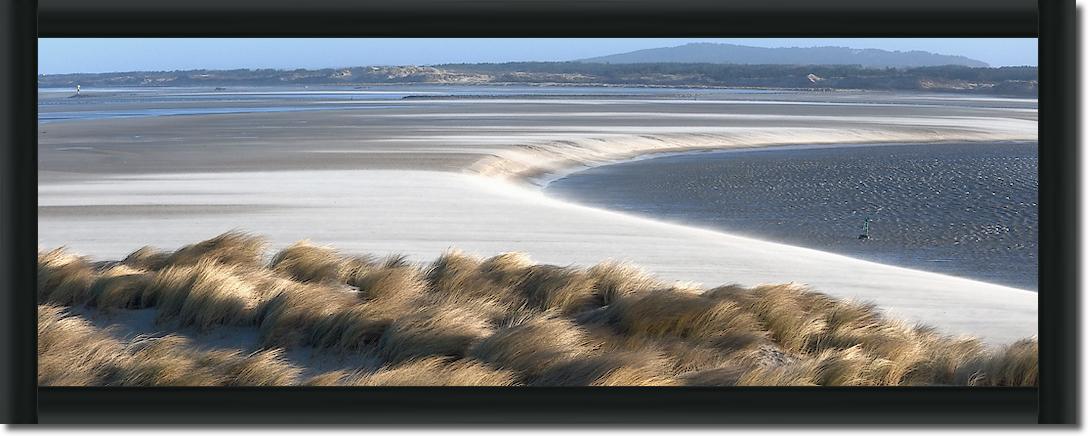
(77, 89)
(865, 234)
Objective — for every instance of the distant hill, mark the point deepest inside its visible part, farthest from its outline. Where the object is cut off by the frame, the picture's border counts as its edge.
(1021, 81)
(739, 54)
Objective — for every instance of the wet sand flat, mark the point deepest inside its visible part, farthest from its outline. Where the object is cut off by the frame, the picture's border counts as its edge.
(452, 134)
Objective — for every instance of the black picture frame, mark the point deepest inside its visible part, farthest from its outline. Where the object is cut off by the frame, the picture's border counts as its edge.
(1054, 401)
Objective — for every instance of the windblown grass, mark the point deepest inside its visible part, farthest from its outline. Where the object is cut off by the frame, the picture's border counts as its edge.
(533, 347)
(466, 320)
(304, 314)
(63, 278)
(306, 262)
(435, 371)
(231, 248)
(72, 352)
(680, 314)
(1015, 365)
(119, 287)
(624, 368)
(433, 331)
(146, 258)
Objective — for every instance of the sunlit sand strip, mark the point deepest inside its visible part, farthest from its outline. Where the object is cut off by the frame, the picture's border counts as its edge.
(534, 162)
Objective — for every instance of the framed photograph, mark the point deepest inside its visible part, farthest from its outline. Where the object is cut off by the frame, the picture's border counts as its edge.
(620, 212)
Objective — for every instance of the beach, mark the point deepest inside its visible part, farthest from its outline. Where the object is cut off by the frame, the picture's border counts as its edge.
(423, 175)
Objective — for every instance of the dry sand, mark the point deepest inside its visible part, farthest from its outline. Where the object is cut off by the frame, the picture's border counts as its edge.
(427, 175)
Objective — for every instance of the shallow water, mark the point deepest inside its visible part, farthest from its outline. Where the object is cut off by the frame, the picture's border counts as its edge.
(62, 104)
(968, 210)
(58, 116)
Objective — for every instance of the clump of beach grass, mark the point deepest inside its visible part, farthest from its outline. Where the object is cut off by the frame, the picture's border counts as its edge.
(434, 331)
(435, 371)
(146, 258)
(73, 352)
(306, 262)
(473, 321)
(614, 280)
(624, 368)
(206, 294)
(231, 248)
(681, 314)
(534, 346)
(298, 314)
(1014, 365)
(563, 289)
(63, 278)
(119, 287)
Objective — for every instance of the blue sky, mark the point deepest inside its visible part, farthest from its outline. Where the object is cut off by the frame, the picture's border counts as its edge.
(91, 55)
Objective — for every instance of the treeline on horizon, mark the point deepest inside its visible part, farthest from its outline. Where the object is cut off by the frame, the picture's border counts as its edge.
(1021, 80)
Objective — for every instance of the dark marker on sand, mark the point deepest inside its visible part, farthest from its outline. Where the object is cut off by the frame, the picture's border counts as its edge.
(865, 232)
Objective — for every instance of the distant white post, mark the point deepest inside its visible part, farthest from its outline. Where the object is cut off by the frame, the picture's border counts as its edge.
(77, 89)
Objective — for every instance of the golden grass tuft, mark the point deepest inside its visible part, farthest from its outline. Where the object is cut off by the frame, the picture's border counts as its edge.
(722, 375)
(331, 378)
(465, 320)
(393, 284)
(63, 278)
(942, 361)
(165, 361)
(530, 348)
(230, 248)
(146, 258)
(434, 331)
(289, 318)
(782, 313)
(671, 313)
(564, 289)
(456, 276)
(484, 286)
(456, 271)
(119, 287)
(306, 262)
(436, 371)
(1014, 365)
(683, 356)
(171, 361)
(204, 295)
(616, 280)
(263, 368)
(625, 368)
(505, 268)
(329, 317)
(72, 352)
(354, 328)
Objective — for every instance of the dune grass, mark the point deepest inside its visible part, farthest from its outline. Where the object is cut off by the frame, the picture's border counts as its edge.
(435, 371)
(466, 320)
(72, 352)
